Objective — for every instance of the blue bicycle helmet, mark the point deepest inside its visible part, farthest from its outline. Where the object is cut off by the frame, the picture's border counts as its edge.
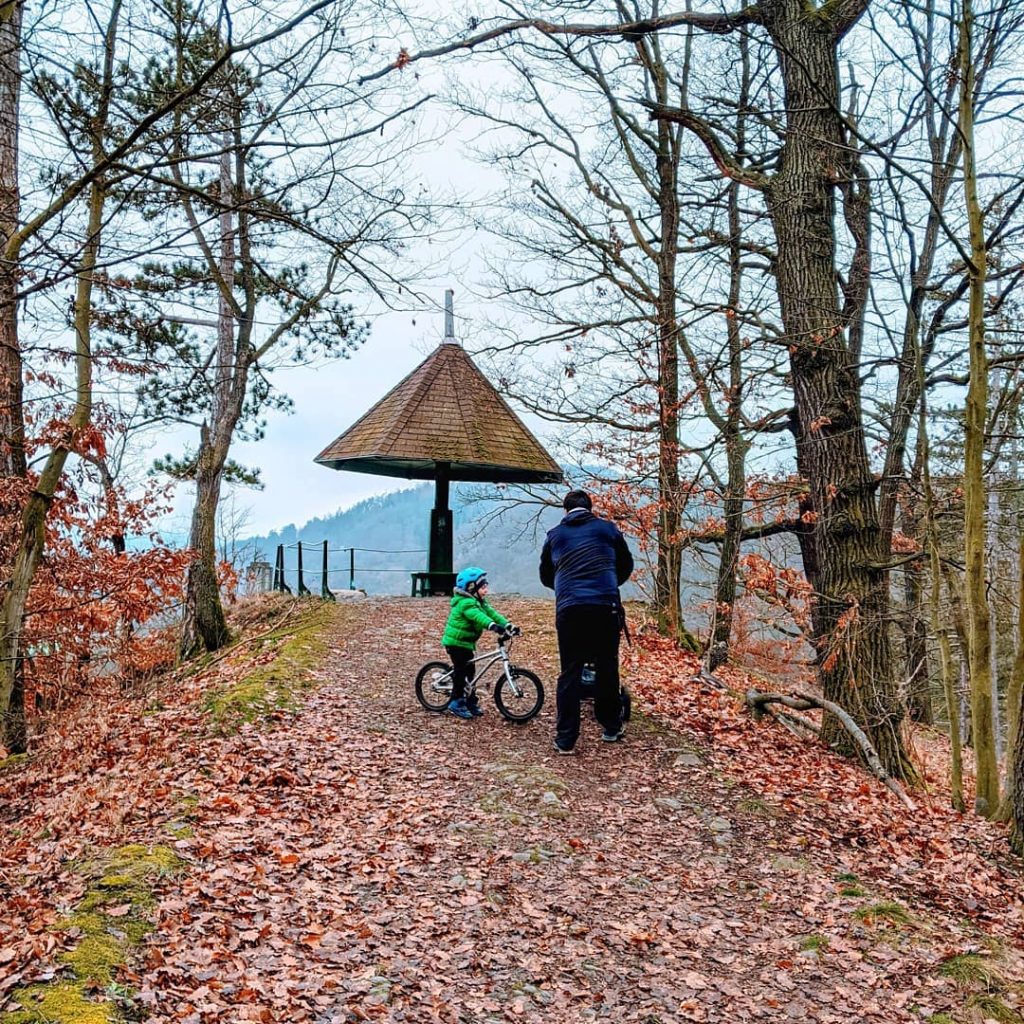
(470, 578)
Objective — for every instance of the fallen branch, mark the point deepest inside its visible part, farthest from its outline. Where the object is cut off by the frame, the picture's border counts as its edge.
(795, 723)
(801, 700)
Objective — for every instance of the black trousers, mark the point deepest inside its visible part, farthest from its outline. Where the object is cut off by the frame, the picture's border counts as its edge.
(462, 671)
(587, 632)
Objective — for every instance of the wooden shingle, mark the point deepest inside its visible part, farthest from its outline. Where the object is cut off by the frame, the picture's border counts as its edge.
(445, 411)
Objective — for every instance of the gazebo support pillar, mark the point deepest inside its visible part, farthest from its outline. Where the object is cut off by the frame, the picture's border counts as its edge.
(439, 556)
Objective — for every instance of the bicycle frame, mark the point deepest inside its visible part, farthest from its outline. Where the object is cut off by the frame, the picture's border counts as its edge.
(483, 662)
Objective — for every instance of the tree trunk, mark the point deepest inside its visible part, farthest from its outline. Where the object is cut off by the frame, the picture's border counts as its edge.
(1014, 695)
(855, 666)
(915, 632)
(205, 626)
(939, 625)
(1017, 834)
(12, 421)
(979, 635)
(735, 444)
(670, 536)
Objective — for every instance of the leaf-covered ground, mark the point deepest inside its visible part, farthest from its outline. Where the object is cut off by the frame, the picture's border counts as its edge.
(347, 856)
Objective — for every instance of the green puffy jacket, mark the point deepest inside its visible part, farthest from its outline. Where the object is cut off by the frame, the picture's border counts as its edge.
(469, 617)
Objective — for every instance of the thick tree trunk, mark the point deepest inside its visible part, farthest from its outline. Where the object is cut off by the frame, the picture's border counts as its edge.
(855, 664)
(204, 626)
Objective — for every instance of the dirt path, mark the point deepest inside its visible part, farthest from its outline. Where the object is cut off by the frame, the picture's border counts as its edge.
(367, 860)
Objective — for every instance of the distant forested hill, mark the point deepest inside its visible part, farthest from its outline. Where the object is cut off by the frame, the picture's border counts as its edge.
(505, 539)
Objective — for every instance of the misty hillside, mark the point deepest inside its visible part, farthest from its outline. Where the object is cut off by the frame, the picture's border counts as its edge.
(391, 531)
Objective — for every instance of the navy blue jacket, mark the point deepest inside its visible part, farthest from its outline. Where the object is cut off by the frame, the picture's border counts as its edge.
(586, 560)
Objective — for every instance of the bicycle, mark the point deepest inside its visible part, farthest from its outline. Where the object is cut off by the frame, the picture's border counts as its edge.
(518, 693)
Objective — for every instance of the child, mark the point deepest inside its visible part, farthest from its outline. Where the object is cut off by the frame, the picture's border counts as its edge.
(469, 617)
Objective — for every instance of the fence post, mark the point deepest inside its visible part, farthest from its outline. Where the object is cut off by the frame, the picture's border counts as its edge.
(303, 589)
(351, 568)
(325, 590)
(279, 583)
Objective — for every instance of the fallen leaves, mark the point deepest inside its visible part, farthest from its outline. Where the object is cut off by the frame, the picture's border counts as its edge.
(361, 859)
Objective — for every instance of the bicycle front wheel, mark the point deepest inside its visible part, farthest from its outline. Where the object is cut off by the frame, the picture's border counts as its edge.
(434, 685)
(521, 701)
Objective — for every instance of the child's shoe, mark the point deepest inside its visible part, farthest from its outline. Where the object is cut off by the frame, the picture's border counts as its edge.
(473, 705)
(458, 709)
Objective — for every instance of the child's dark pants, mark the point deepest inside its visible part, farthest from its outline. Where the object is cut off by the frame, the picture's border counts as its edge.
(462, 670)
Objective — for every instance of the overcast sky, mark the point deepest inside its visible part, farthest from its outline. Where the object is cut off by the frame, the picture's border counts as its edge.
(330, 397)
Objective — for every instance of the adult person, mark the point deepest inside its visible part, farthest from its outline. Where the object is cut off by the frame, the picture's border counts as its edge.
(586, 559)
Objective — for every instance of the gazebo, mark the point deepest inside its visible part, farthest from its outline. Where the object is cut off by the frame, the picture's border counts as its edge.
(443, 422)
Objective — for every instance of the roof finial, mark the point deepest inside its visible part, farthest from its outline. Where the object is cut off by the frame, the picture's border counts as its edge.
(449, 318)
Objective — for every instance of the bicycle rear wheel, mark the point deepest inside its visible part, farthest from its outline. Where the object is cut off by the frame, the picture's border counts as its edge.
(434, 685)
(527, 703)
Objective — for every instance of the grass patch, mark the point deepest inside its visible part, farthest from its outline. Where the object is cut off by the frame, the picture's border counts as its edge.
(108, 922)
(941, 1018)
(817, 943)
(991, 1007)
(758, 807)
(968, 969)
(12, 761)
(884, 912)
(276, 685)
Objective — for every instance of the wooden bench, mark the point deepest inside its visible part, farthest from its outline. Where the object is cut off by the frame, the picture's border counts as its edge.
(430, 584)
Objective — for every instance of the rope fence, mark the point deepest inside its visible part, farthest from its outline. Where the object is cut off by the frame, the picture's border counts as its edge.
(325, 572)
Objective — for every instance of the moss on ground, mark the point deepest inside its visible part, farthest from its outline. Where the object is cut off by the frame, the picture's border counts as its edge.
(275, 686)
(61, 1003)
(12, 761)
(122, 880)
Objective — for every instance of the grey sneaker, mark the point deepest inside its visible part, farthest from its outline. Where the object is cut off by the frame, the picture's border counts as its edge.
(563, 750)
(614, 737)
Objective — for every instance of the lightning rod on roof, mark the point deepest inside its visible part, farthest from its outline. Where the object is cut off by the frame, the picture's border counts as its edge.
(449, 318)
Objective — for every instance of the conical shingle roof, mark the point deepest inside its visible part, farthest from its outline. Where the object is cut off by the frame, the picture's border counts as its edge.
(445, 411)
